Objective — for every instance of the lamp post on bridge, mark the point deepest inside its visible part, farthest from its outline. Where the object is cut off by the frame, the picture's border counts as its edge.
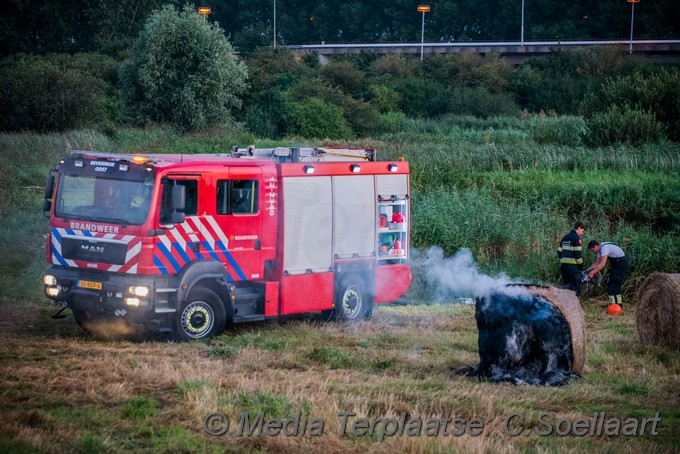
(423, 9)
(632, 16)
(522, 31)
(274, 24)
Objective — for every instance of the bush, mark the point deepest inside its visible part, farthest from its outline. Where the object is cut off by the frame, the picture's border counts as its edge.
(440, 67)
(468, 69)
(346, 75)
(562, 94)
(183, 71)
(265, 115)
(311, 60)
(624, 125)
(383, 98)
(422, 97)
(361, 117)
(428, 98)
(393, 122)
(657, 94)
(561, 80)
(314, 118)
(269, 68)
(481, 103)
(394, 65)
(55, 92)
(567, 130)
(490, 72)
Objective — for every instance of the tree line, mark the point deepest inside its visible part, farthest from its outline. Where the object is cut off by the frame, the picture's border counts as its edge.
(182, 70)
(110, 26)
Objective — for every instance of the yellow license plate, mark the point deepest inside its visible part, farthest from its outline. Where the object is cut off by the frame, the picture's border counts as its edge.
(90, 284)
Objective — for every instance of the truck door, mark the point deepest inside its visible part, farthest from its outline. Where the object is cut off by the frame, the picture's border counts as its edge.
(186, 242)
(238, 213)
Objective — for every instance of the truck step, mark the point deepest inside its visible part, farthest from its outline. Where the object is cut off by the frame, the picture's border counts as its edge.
(164, 310)
(246, 296)
(248, 318)
(248, 303)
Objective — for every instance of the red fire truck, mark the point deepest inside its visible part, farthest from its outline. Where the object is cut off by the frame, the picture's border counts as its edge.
(191, 244)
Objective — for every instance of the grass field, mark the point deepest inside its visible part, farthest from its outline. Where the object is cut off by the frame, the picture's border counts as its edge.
(63, 391)
(489, 186)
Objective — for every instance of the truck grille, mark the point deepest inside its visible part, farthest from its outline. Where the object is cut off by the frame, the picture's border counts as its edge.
(94, 250)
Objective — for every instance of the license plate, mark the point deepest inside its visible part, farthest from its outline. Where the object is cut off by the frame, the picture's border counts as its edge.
(90, 284)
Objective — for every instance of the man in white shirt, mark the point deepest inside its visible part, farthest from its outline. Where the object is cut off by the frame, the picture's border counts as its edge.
(618, 267)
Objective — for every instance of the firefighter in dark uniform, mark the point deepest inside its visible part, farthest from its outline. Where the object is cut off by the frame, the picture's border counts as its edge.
(570, 254)
(618, 267)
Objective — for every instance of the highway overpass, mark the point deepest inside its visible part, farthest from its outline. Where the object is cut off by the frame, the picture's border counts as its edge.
(516, 52)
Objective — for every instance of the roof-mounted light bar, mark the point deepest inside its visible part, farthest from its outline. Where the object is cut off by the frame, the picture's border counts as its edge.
(135, 159)
(139, 159)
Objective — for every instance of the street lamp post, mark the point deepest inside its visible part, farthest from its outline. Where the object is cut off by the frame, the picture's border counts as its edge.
(632, 16)
(522, 31)
(274, 24)
(423, 9)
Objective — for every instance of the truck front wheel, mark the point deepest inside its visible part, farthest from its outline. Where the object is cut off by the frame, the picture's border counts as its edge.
(201, 316)
(353, 301)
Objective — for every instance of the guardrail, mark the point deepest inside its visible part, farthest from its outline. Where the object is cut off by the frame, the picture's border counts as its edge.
(636, 42)
(508, 48)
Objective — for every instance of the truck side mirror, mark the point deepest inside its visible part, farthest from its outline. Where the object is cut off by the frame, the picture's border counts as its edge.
(177, 217)
(49, 192)
(49, 186)
(178, 197)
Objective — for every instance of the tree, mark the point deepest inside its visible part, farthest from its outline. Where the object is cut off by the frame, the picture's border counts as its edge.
(55, 92)
(183, 71)
(71, 26)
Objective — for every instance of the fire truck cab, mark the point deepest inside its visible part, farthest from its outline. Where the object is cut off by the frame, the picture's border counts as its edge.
(191, 244)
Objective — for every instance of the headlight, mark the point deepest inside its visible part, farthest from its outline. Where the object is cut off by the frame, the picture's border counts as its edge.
(140, 291)
(132, 301)
(53, 292)
(50, 280)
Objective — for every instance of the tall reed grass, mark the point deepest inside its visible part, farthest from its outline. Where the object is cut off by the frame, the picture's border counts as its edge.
(507, 188)
(510, 188)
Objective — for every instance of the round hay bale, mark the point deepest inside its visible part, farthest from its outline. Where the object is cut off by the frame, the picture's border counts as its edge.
(568, 304)
(658, 310)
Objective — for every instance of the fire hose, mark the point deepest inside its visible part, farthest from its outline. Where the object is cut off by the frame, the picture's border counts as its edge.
(597, 279)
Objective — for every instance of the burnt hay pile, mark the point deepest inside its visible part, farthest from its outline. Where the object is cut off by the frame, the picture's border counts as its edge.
(658, 310)
(530, 336)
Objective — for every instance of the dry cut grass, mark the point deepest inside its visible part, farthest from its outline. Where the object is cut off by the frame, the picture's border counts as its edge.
(65, 392)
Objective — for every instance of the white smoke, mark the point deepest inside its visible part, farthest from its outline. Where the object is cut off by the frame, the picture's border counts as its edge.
(459, 276)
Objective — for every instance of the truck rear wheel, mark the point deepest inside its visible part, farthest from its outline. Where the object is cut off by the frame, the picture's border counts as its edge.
(353, 301)
(201, 316)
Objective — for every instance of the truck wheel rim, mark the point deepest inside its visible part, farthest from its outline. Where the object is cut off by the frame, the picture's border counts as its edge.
(351, 302)
(197, 319)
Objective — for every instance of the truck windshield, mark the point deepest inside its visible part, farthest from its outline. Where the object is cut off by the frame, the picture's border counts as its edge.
(103, 199)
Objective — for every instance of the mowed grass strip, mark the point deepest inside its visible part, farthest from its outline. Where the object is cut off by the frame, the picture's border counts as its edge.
(62, 391)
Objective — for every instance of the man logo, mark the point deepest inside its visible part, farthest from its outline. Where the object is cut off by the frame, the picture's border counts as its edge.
(92, 248)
